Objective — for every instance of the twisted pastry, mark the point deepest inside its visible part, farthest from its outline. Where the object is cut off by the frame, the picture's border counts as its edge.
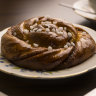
(45, 43)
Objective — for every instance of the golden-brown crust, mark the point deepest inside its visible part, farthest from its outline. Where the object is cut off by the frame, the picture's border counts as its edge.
(85, 48)
(14, 45)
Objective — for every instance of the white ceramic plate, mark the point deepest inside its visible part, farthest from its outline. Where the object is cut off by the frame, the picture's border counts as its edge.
(86, 66)
(84, 5)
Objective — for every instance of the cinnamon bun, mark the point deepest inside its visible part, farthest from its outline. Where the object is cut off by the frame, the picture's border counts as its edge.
(45, 43)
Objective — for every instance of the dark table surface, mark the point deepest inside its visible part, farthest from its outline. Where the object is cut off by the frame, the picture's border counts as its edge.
(15, 11)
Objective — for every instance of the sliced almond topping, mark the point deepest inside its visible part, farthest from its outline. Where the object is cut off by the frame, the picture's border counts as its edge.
(60, 28)
(31, 31)
(36, 19)
(52, 25)
(39, 30)
(35, 29)
(14, 33)
(69, 34)
(31, 27)
(26, 31)
(65, 28)
(34, 25)
(49, 48)
(22, 26)
(60, 33)
(54, 22)
(57, 31)
(35, 45)
(73, 44)
(48, 22)
(53, 30)
(44, 19)
(84, 33)
(47, 29)
(40, 26)
(66, 46)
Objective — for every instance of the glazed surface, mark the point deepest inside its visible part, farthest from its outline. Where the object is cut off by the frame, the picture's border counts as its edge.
(45, 43)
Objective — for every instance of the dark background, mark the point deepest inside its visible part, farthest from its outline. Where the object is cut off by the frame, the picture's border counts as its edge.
(15, 11)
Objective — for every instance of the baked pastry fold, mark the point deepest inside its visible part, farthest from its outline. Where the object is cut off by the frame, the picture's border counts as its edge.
(45, 43)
